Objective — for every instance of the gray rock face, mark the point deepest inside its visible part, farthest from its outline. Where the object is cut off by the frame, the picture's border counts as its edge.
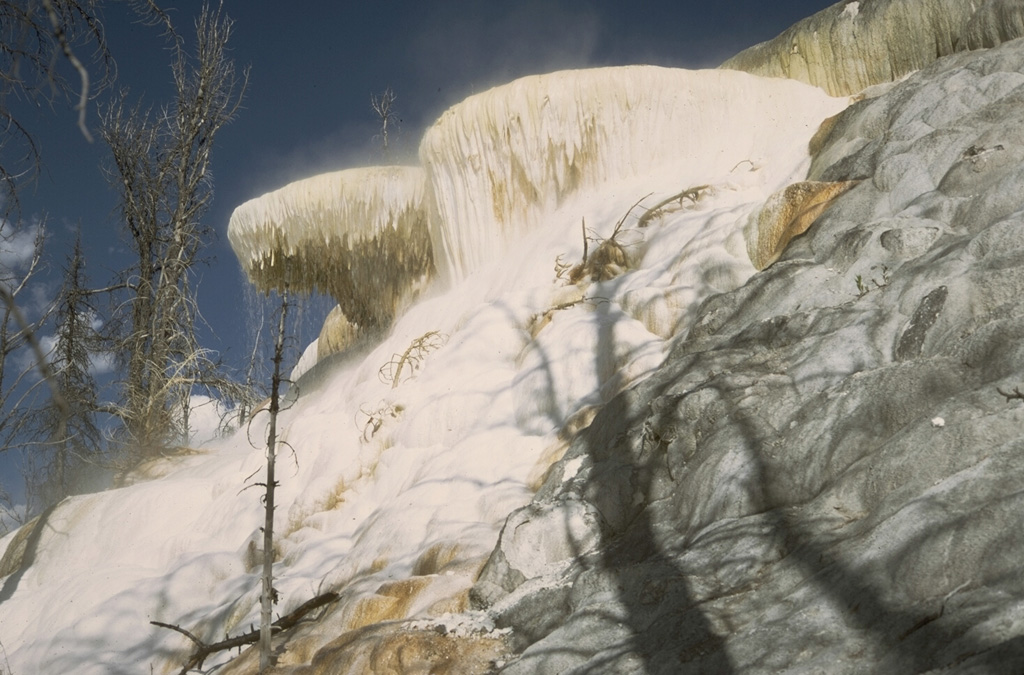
(852, 45)
(823, 477)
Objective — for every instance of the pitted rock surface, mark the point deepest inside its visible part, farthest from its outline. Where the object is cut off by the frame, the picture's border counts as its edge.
(822, 477)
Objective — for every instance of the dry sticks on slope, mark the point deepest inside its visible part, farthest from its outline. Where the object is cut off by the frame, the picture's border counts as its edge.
(290, 620)
(610, 259)
(411, 357)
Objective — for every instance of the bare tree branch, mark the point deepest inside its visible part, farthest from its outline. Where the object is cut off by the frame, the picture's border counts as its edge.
(203, 650)
(36, 36)
(62, 39)
(384, 106)
(268, 596)
(161, 169)
(17, 332)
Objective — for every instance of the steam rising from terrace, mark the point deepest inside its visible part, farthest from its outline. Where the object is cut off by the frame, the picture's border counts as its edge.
(500, 160)
(496, 165)
(407, 457)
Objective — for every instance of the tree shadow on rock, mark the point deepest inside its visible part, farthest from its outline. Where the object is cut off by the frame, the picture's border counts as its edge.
(669, 631)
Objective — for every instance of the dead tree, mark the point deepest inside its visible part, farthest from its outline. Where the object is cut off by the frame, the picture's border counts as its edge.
(268, 595)
(69, 438)
(37, 37)
(47, 49)
(161, 170)
(384, 106)
(202, 650)
(22, 355)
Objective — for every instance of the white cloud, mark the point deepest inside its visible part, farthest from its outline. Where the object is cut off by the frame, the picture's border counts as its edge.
(48, 342)
(24, 359)
(38, 298)
(204, 419)
(101, 363)
(17, 245)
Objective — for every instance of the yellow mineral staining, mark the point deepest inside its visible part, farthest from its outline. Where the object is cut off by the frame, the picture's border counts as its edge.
(435, 558)
(359, 234)
(373, 609)
(788, 213)
(843, 51)
(820, 136)
(377, 650)
(542, 468)
(336, 335)
(15, 553)
(499, 162)
(455, 604)
(335, 497)
(389, 603)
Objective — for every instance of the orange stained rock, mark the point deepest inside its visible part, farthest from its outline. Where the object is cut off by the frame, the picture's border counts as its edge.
(788, 213)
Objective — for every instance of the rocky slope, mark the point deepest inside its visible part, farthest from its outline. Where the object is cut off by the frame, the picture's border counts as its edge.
(822, 476)
(825, 475)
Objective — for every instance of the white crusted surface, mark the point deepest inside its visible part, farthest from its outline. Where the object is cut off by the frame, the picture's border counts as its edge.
(501, 159)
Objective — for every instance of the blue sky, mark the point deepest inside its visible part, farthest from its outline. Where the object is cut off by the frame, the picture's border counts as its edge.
(314, 65)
